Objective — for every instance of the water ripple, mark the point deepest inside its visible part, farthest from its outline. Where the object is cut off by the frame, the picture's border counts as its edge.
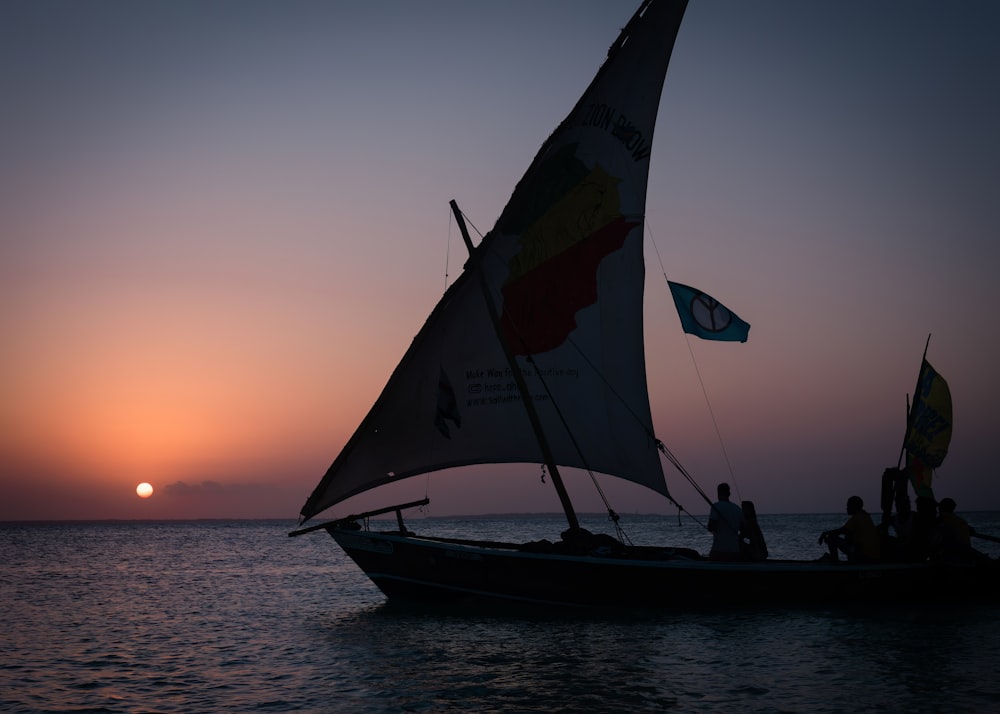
(206, 617)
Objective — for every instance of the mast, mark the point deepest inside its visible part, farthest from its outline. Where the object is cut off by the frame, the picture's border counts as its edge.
(522, 386)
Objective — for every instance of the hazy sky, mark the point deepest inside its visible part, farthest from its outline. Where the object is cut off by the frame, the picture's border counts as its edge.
(221, 224)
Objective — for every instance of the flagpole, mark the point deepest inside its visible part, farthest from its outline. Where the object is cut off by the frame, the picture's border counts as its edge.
(909, 407)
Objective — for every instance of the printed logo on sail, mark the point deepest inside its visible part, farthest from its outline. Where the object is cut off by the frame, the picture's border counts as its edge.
(447, 406)
(621, 127)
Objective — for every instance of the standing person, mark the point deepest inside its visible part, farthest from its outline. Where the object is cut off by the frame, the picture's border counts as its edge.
(858, 538)
(725, 522)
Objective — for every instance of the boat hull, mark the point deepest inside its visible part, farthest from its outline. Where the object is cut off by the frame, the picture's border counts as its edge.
(407, 567)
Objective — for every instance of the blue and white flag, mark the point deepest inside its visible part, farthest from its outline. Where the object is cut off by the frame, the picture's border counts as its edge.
(705, 317)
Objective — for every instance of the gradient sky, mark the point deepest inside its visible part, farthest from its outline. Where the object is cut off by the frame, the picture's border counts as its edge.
(221, 224)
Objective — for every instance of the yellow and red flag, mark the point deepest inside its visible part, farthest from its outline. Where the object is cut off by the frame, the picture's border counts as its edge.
(928, 429)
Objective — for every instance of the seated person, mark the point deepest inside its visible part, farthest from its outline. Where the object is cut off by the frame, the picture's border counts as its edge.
(952, 538)
(858, 538)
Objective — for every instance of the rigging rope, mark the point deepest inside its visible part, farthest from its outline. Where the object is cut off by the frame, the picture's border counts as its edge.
(612, 516)
(659, 444)
(701, 383)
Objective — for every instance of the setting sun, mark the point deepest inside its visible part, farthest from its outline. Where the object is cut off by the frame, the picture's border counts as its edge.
(144, 490)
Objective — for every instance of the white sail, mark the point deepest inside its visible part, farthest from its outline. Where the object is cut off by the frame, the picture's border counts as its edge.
(564, 267)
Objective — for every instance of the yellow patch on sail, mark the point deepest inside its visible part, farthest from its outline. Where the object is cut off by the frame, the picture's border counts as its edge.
(589, 206)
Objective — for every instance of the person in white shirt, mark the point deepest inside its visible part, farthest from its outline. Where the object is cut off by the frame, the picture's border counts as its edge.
(725, 522)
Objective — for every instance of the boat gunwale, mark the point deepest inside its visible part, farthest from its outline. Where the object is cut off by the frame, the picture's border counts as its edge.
(515, 550)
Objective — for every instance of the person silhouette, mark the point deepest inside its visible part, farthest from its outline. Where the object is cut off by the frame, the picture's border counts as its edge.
(725, 523)
(857, 539)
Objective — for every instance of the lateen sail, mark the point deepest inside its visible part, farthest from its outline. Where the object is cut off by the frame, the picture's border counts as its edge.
(564, 265)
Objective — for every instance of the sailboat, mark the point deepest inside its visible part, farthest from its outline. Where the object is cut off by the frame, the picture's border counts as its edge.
(535, 354)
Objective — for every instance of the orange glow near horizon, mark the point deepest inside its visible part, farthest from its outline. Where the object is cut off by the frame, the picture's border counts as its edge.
(176, 391)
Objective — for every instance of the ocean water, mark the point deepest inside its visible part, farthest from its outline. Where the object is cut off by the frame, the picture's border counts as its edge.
(237, 617)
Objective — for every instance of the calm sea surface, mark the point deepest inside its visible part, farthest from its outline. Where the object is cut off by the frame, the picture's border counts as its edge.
(237, 617)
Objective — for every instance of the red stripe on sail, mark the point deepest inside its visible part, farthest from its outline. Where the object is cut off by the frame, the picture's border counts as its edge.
(539, 309)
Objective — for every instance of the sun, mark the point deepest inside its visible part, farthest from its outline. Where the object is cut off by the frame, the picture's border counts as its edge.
(144, 490)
